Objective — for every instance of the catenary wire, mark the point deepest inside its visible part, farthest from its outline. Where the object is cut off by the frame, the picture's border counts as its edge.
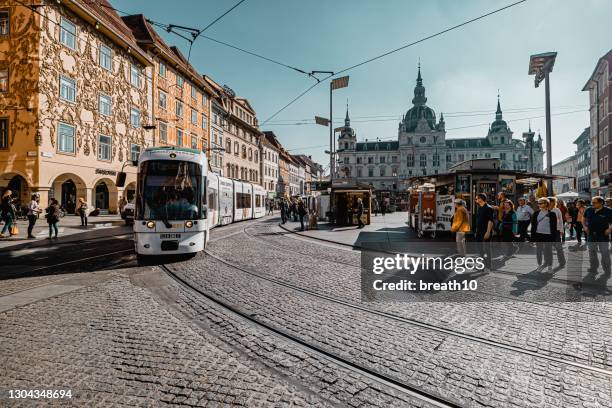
(389, 53)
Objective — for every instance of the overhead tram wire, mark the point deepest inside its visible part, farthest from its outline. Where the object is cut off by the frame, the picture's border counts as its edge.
(210, 25)
(391, 52)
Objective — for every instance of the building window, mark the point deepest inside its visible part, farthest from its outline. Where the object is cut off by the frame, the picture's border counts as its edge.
(204, 122)
(161, 70)
(474, 156)
(134, 152)
(104, 147)
(179, 136)
(244, 152)
(487, 155)
(436, 160)
(4, 136)
(394, 171)
(502, 156)
(105, 105)
(448, 158)
(5, 22)
(256, 156)
(236, 148)
(194, 92)
(423, 139)
(423, 160)
(370, 160)
(194, 116)
(410, 160)
(68, 33)
(370, 172)
(67, 89)
(135, 76)
(106, 57)
(382, 159)
(66, 134)
(461, 157)
(383, 170)
(204, 100)
(178, 108)
(393, 159)
(4, 80)
(359, 172)
(179, 81)
(163, 99)
(194, 142)
(163, 131)
(228, 145)
(135, 117)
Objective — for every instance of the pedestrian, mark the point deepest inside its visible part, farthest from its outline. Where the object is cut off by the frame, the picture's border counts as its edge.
(508, 227)
(8, 213)
(563, 209)
(53, 217)
(284, 209)
(360, 213)
(570, 218)
(460, 226)
(383, 207)
(533, 203)
(82, 211)
(597, 227)
(375, 205)
(579, 225)
(485, 217)
(33, 211)
(271, 208)
(559, 231)
(122, 203)
(301, 211)
(293, 210)
(523, 216)
(543, 226)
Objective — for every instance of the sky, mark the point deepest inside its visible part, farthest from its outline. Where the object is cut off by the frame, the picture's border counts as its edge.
(463, 70)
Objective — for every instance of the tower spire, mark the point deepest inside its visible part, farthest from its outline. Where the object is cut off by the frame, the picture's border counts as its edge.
(498, 112)
(419, 89)
(347, 120)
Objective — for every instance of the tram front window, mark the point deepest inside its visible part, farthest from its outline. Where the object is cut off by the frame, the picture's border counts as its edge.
(169, 190)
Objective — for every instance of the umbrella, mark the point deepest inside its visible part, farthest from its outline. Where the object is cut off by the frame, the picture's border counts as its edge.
(568, 194)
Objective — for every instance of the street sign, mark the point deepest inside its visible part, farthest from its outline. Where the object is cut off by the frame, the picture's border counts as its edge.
(321, 121)
(341, 82)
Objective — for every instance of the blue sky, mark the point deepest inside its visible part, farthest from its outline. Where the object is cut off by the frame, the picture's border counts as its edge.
(462, 70)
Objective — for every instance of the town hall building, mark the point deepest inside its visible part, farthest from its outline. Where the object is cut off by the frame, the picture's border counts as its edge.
(422, 148)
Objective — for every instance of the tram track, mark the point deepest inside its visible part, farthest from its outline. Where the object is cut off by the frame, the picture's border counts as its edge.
(380, 378)
(413, 322)
(259, 238)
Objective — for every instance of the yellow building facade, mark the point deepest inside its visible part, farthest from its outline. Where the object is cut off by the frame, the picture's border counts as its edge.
(77, 103)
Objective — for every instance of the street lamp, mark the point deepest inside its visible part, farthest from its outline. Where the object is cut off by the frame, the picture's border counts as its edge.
(541, 65)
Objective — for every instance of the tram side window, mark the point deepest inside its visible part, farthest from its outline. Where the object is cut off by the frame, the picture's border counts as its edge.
(212, 198)
(257, 200)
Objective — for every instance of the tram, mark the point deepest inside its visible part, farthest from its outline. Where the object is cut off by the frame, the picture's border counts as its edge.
(178, 201)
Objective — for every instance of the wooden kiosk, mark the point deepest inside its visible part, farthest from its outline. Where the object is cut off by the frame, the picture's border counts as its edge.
(344, 196)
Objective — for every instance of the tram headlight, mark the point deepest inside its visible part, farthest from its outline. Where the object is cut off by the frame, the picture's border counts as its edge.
(188, 224)
(151, 224)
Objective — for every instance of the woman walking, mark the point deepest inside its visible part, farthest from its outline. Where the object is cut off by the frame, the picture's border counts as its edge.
(508, 227)
(33, 211)
(8, 212)
(543, 226)
(53, 217)
(82, 211)
(560, 231)
(460, 226)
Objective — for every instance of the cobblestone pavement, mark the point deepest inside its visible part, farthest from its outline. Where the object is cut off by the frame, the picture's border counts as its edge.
(115, 344)
(136, 337)
(577, 331)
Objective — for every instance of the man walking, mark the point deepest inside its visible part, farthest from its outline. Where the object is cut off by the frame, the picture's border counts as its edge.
(597, 227)
(360, 213)
(33, 211)
(523, 215)
(485, 218)
(284, 210)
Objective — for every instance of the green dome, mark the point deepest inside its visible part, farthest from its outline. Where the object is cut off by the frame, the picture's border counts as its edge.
(420, 110)
(499, 125)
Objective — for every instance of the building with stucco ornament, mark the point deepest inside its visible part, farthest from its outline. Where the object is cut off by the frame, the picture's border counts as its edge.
(422, 148)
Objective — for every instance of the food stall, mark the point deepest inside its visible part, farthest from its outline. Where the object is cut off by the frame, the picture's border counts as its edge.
(465, 180)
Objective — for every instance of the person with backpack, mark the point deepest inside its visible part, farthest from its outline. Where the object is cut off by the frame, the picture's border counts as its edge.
(53, 212)
(82, 211)
(301, 212)
(543, 229)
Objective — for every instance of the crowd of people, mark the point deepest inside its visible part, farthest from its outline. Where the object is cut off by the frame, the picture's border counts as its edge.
(9, 214)
(546, 222)
(297, 209)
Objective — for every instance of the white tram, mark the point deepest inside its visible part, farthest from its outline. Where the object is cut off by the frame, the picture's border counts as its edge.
(178, 201)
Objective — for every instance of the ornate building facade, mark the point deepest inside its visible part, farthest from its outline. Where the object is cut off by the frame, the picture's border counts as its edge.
(421, 148)
(74, 102)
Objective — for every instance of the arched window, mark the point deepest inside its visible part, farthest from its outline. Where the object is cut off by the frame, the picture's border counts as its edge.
(423, 139)
(346, 145)
(383, 171)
